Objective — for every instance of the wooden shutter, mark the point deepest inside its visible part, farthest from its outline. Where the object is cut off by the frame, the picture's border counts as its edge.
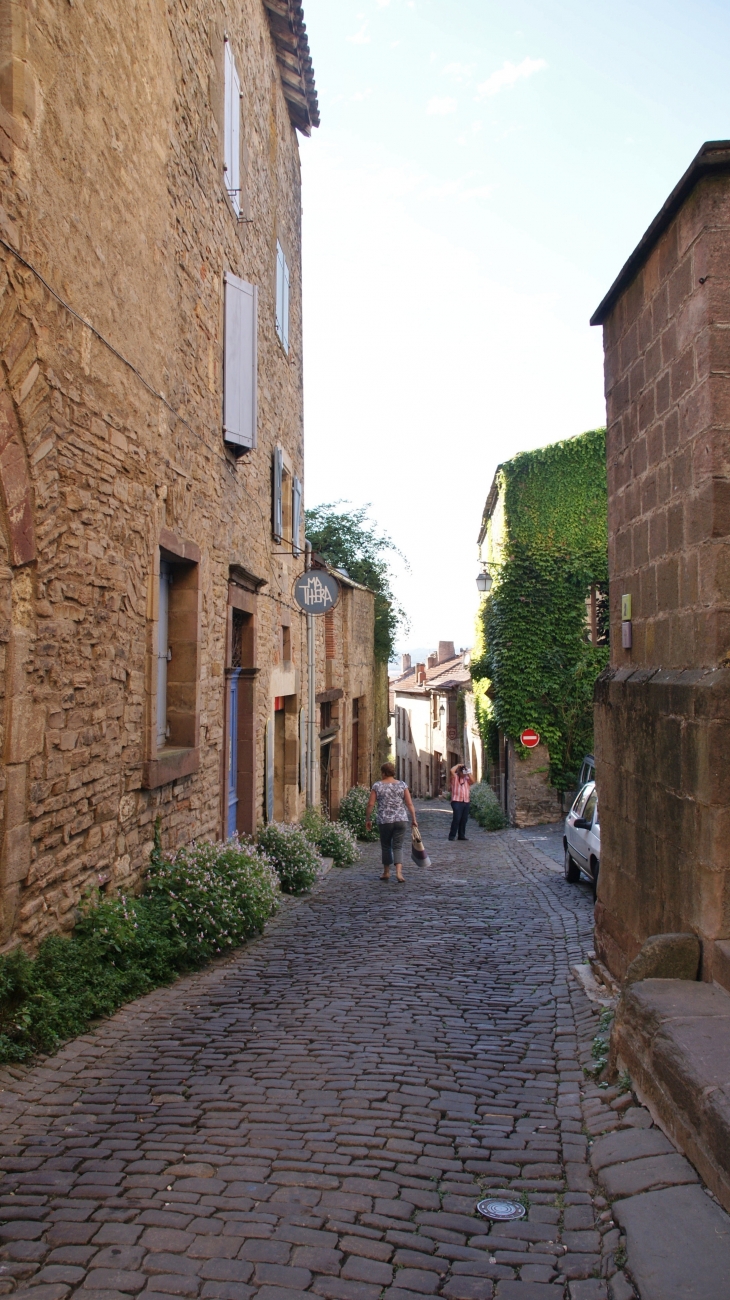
(240, 362)
(277, 513)
(296, 516)
(285, 308)
(280, 264)
(162, 652)
(269, 770)
(232, 129)
(302, 749)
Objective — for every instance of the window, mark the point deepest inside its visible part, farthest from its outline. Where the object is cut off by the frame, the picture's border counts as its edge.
(282, 297)
(590, 807)
(173, 737)
(435, 701)
(232, 130)
(163, 653)
(286, 644)
(239, 363)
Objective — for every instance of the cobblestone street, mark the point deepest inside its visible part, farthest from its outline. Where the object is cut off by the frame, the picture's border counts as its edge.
(320, 1113)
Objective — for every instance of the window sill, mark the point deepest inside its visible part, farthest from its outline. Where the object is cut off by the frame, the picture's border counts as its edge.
(170, 765)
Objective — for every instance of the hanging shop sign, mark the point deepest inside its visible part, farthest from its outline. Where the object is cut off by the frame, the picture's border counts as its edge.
(316, 591)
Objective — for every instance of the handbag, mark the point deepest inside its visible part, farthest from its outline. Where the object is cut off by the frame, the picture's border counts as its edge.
(418, 853)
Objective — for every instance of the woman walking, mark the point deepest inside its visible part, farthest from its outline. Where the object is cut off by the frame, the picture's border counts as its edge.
(395, 810)
(461, 783)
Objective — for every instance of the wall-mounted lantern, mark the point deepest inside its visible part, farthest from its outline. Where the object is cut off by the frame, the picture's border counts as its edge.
(484, 581)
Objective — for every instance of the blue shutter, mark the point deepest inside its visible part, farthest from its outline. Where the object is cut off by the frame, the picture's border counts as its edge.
(302, 749)
(296, 516)
(269, 770)
(277, 514)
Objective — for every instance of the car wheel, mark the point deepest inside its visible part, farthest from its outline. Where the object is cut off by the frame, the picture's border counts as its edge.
(595, 868)
(571, 870)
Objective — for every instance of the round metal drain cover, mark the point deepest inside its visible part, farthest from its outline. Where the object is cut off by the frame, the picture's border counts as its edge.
(500, 1210)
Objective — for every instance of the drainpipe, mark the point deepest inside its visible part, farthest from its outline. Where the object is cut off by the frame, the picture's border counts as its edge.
(311, 721)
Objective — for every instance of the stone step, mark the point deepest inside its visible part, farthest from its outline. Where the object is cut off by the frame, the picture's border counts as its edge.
(673, 1036)
(678, 1243)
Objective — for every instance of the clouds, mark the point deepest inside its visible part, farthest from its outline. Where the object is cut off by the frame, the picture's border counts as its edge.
(462, 73)
(440, 106)
(508, 74)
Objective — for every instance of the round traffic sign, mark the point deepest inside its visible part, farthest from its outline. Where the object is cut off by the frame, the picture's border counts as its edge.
(316, 591)
(530, 738)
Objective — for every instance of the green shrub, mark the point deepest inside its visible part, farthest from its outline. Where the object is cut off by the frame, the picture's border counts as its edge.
(336, 841)
(217, 894)
(333, 839)
(293, 855)
(486, 809)
(352, 813)
(198, 902)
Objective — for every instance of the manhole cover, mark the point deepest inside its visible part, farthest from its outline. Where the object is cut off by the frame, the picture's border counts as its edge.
(500, 1210)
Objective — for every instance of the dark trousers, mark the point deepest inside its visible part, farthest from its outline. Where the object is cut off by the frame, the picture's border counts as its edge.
(392, 835)
(459, 820)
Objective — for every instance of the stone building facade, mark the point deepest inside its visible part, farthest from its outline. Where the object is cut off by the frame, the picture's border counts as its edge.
(351, 735)
(663, 707)
(434, 724)
(151, 441)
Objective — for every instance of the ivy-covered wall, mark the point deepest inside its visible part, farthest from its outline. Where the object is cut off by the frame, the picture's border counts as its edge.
(546, 545)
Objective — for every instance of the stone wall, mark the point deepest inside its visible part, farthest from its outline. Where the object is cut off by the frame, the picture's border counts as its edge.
(662, 708)
(346, 672)
(113, 191)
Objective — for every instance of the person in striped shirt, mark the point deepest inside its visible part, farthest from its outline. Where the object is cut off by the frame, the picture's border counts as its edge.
(461, 783)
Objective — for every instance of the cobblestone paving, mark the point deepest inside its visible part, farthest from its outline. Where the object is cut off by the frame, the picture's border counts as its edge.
(319, 1114)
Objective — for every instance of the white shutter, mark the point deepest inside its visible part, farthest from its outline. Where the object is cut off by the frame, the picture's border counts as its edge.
(296, 515)
(239, 362)
(277, 513)
(285, 308)
(280, 264)
(232, 129)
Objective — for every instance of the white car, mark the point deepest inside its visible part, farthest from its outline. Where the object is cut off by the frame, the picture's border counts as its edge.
(582, 837)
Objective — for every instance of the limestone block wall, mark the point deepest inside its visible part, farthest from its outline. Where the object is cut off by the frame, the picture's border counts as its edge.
(113, 193)
(662, 708)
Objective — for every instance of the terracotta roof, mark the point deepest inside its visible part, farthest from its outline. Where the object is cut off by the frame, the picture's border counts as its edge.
(448, 675)
(714, 156)
(286, 21)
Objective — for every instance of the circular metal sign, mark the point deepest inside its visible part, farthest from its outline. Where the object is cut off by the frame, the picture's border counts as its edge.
(500, 1211)
(530, 738)
(316, 591)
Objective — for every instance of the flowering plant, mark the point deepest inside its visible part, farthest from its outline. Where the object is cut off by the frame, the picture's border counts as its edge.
(294, 856)
(217, 894)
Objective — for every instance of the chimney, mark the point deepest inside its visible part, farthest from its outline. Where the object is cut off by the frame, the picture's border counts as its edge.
(420, 674)
(433, 660)
(446, 651)
(405, 663)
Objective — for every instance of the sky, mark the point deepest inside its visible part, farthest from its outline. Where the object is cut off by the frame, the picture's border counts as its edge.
(481, 174)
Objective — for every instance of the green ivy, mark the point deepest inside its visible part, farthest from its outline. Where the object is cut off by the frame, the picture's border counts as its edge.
(533, 664)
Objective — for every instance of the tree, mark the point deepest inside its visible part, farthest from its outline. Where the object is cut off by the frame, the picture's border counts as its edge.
(347, 539)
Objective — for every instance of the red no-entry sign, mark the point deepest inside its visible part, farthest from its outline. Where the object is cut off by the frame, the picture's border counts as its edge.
(530, 739)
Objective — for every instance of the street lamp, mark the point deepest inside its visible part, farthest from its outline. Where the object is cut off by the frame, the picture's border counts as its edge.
(484, 581)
